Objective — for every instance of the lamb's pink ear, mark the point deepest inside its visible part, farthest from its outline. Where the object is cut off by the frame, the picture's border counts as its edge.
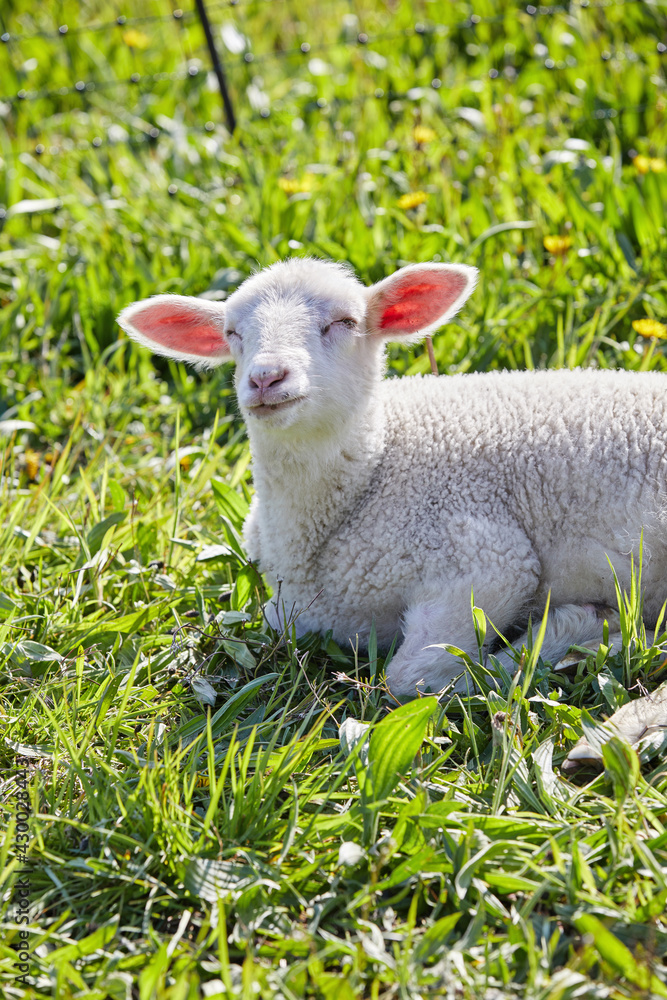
(180, 327)
(417, 299)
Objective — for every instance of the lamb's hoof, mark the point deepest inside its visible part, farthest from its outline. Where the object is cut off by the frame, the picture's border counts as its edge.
(582, 755)
(570, 662)
(575, 656)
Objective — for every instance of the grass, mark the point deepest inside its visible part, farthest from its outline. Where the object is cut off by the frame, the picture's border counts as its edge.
(200, 823)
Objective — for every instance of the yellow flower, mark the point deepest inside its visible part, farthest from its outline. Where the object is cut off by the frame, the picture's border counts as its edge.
(557, 245)
(136, 39)
(645, 163)
(649, 328)
(290, 185)
(32, 463)
(423, 134)
(412, 199)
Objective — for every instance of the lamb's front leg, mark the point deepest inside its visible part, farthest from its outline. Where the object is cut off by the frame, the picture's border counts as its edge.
(418, 665)
(443, 616)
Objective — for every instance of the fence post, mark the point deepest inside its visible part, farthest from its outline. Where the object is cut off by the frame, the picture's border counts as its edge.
(217, 65)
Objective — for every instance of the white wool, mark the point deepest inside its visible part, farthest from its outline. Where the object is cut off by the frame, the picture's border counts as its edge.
(384, 501)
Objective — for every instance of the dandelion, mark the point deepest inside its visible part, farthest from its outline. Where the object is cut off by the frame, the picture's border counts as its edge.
(557, 245)
(291, 185)
(32, 463)
(412, 199)
(423, 134)
(644, 164)
(647, 327)
(136, 39)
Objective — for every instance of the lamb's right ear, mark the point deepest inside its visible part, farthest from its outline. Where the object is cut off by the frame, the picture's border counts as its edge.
(179, 327)
(418, 299)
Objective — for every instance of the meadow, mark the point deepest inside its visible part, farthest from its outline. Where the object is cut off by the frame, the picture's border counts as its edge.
(209, 815)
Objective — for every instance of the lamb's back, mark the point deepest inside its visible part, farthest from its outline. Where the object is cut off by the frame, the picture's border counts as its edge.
(542, 445)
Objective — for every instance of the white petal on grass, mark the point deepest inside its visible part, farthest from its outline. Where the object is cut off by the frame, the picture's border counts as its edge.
(233, 40)
(555, 156)
(214, 988)
(257, 97)
(350, 853)
(318, 67)
(374, 59)
(351, 733)
(116, 133)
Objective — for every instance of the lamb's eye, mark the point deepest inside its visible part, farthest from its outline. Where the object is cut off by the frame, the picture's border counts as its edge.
(346, 321)
(232, 333)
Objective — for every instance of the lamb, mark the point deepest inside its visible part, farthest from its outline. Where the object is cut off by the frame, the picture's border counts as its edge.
(385, 502)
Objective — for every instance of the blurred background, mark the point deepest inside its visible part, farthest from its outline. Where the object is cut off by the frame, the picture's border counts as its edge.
(528, 140)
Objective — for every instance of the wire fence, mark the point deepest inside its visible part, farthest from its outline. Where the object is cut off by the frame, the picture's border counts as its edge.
(116, 137)
(245, 60)
(179, 15)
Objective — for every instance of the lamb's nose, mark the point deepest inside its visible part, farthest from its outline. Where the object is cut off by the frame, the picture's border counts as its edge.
(264, 378)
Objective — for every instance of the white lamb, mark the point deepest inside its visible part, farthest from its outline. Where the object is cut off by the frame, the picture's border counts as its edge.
(386, 501)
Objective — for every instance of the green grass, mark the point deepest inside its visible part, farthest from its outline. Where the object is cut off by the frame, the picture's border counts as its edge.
(199, 827)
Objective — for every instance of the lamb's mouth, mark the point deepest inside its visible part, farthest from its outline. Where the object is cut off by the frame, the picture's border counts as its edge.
(267, 409)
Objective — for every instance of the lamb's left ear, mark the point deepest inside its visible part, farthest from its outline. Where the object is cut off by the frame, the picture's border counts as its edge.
(418, 299)
(179, 327)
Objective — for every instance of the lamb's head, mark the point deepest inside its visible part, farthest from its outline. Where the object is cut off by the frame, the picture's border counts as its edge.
(307, 337)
